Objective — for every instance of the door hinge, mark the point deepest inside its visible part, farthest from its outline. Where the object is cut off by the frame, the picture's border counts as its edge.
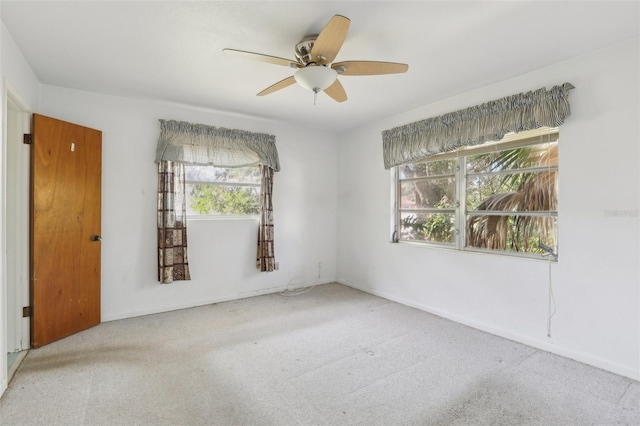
(26, 311)
(27, 138)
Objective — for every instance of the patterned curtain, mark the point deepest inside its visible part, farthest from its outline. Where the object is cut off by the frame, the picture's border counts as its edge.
(172, 224)
(266, 261)
(191, 143)
(490, 121)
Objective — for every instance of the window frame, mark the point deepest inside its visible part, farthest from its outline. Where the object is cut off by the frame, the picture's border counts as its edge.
(199, 217)
(510, 141)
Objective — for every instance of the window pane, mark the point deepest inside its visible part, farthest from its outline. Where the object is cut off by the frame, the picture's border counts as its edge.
(513, 159)
(222, 174)
(512, 233)
(211, 199)
(428, 193)
(432, 168)
(531, 191)
(432, 227)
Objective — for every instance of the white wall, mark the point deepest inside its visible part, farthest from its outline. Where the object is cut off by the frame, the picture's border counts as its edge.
(221, 252)
(596, 280)
(18, 72)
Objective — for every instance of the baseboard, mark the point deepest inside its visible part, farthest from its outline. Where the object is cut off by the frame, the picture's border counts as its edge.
(114, 316)
(16, 364)
(526, 340)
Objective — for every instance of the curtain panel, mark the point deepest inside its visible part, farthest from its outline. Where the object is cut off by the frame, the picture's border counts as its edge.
(186, 143)
(208, 145)
(173, 264)
(265, 261)
(475, 125)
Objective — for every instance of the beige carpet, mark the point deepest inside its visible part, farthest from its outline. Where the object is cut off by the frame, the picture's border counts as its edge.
(331, 356)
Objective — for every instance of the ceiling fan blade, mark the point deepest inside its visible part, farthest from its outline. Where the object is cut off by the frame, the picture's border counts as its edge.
(369, 68)
(336, 91)
(279, 85)
(330, 40)
(263, 58)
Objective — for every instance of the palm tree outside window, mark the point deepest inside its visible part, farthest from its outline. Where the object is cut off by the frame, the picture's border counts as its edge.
(497, 197)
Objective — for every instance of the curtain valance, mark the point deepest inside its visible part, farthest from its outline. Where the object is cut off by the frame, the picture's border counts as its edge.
(475, 125)
(208, 145)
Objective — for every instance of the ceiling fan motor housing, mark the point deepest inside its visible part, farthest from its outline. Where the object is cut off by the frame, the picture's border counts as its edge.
(303, 49)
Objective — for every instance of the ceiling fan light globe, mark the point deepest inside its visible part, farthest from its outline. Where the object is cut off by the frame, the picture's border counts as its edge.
(315, 77)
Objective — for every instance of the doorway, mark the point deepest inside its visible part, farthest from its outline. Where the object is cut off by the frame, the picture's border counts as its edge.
(18, 122)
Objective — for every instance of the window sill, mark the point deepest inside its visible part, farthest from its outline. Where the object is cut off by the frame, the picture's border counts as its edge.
(482, 252)
(198, 218)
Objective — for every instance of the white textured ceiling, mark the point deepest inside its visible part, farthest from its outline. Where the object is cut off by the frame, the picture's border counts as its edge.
(172, 51)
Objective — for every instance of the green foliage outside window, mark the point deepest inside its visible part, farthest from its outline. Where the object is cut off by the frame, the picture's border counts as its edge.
(434, 227)
(217, 199)
(513, 193)
(223, 191)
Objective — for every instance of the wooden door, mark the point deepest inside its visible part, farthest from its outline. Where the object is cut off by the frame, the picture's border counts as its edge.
(66, 176)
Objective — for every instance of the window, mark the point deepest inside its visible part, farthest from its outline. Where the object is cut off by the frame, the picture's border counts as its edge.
(222, 191)
(497, 197)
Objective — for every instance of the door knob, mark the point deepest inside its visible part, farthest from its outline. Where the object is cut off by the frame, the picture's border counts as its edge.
(96, 238)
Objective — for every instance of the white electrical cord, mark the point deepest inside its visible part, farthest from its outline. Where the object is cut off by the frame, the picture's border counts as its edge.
(551, 306)
(298, 291)
(551, 303)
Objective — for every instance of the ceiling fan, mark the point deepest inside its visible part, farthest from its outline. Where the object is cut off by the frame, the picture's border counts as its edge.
(316, 70)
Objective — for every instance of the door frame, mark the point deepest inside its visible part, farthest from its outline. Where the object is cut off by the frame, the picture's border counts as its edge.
(12, 100)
